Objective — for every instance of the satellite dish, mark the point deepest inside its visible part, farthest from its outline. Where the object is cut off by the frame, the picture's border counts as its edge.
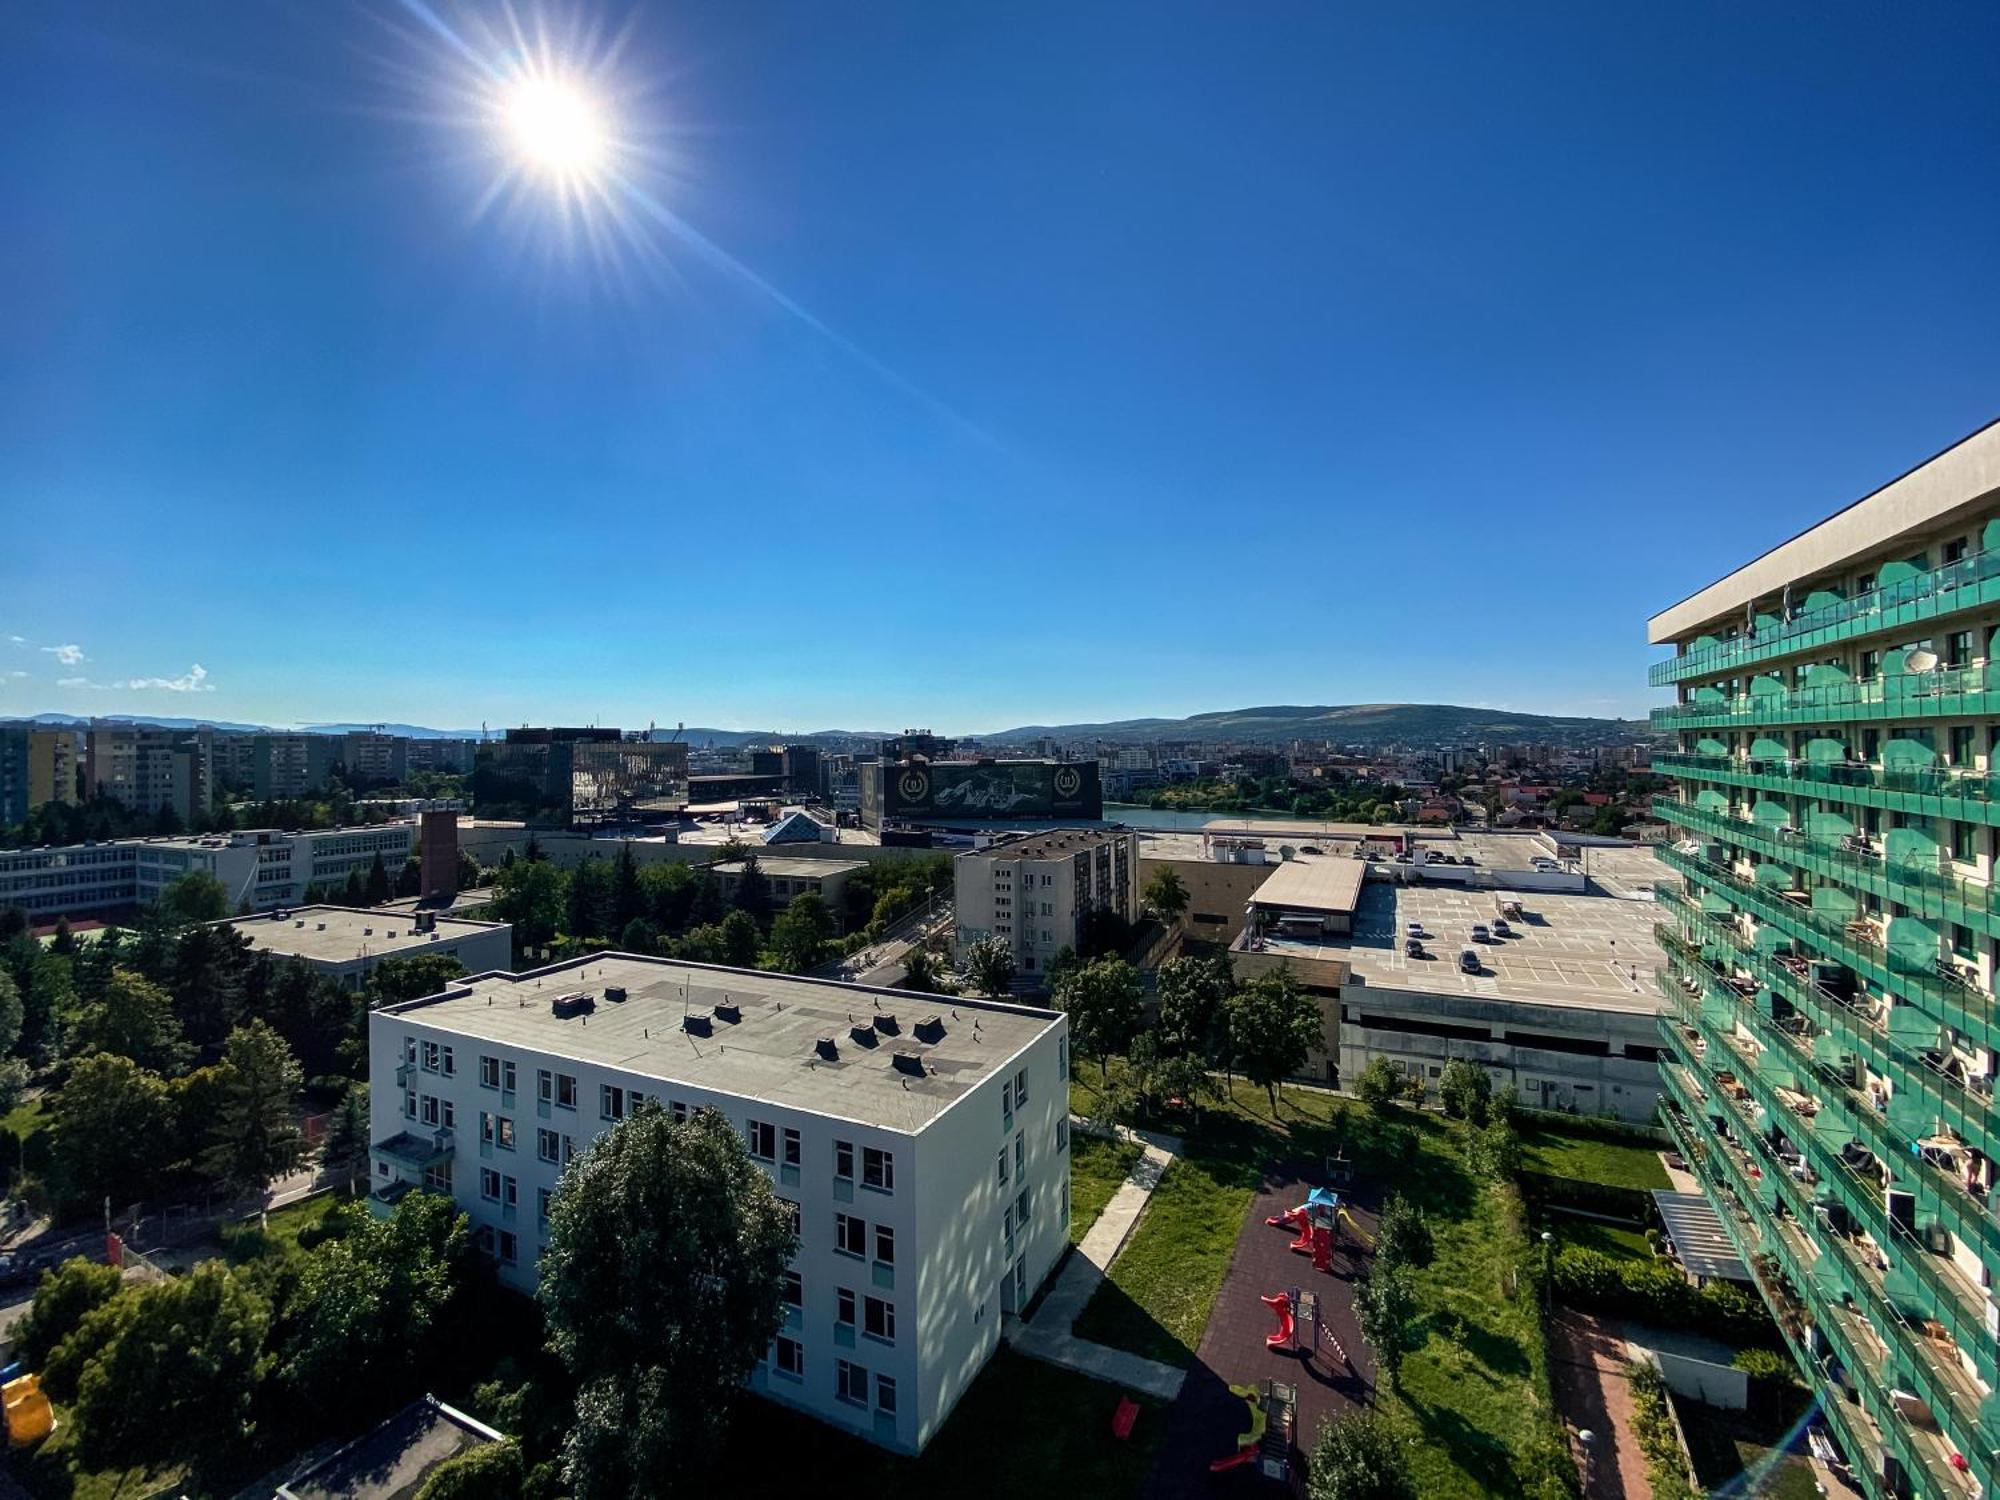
(1920, 661)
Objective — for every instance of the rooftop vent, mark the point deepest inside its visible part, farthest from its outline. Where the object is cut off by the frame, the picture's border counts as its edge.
(575, 1003)
(729, 1011)
(615, 993)
(826, 1050)
(697, 1025)
(368, 932)
(908, 1062)
(322, 927)
(300, 922)
(864, 1036)
(886, 1024)
(930, 1029)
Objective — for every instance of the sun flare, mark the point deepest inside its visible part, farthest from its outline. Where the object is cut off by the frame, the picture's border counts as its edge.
(556, 127)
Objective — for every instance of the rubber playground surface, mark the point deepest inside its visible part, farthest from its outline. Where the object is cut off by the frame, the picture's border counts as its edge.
(1203, 1424)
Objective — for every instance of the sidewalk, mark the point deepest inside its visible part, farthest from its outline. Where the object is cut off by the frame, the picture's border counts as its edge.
(1587, 1363)
(1047, 1335)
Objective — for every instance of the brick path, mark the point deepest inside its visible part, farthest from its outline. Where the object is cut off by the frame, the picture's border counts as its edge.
(1588, 1366)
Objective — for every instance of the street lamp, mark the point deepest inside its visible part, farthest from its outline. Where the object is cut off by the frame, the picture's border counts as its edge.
(1585, 1438)
(1548, 1269)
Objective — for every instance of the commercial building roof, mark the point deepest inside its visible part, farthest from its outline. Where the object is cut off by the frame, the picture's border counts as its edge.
(335, 934)
(790, 869)
(1328, 884)
(882, 1057)
(1597, 951)
(1056, 843)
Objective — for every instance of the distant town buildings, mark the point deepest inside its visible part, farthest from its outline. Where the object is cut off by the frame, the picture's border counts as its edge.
(979, 793)
(576, 777)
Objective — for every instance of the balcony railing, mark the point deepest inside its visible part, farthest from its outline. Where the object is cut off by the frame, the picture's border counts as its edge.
(1946, 691)
(1972, 794)
(1925, 596)
(1931, 888)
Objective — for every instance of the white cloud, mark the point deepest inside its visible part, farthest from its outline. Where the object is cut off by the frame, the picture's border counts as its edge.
(74, 682)
(17, 672)
(195, 680)
(69, 656)
(19, 640)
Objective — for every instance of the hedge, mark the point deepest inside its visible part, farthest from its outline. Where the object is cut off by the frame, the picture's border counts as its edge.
(1545, 1191)
(1654, 1292)
(492, 1471)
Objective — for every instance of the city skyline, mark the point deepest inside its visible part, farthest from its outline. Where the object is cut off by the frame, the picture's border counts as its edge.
(1154, 371)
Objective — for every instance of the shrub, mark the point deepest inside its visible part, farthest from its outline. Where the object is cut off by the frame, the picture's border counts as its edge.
(1766, 1365)
(1545, 1467)
(1654, 1292)
(1404, 1235)
(1361, 1457)
(1380, 1083)
(1466, 1091)
(1653, 1425)
(65, 1295)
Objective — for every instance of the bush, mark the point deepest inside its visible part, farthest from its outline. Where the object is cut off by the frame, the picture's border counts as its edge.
(491, 1471)
(1545, 1191)
(64, 1296)
(1361, 1457)
(1380, 1083)
(1653, 1425)
(1654, 1292)
(1404, 1235)
(1766, 1365)
(1545, 1467)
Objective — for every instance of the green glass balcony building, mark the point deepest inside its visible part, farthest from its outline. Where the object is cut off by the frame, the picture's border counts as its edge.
(1831, 950)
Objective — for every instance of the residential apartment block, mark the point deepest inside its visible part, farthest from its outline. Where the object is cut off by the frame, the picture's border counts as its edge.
(149, 771)
(921, 1144)
(1831, 953)
(1034, 891)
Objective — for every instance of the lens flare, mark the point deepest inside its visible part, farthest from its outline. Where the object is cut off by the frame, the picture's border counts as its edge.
(556, 127)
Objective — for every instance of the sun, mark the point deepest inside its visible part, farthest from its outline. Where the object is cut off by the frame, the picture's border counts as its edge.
(556, 127)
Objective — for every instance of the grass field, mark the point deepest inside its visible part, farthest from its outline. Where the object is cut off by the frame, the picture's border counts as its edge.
(1475, 1394)
(1097, 1165)
(1559, 1151)
(1590, 1234)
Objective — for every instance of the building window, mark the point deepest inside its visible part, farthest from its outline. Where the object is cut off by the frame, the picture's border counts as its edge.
(1021, 1209)
(569, 1149)
(793, 1149)
(1062, 1133)
(878, 1319)
(611, 1101)
(885, 1395)
(791, 1213)
(542, 1197)
(433, 1055)
(510, 1191)
(885, 1244)
(565, 1091)
(850, 1235)
(503, 1132)
(1021, 1154)
(1062, 1058)
(1002, 1164)
(489, 1072)
(448, 1062)
(510, 1248)
(1006, 1108)
(1021, 1089)
(843, 1160)
(794, 1292)
(843, 1312)
(791, 1357)
(545, 1086)
(763, 1140)
(489, 1184)
(878, 1169)
(853, 1382)
(548, 1145)
(680, 1112)
(487, 1131)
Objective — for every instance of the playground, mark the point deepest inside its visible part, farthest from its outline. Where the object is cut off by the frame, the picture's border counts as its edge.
(1279, 1318)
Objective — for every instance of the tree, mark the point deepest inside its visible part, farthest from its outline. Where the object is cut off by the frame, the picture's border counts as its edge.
(533, 895)
(395, 980)
(1194, 1007)
(1380, 1084)
(377, 889)
(1167, 894)
(66, 1295)
(468, 873)
(627, 898)
(492, 1471)
(373, 1301)
(1273, 1027)
(990, 964)
(1403, 1236)
(172, 1367)
(194, 897)
(668, 894)
(639, 936)
(133, 1018)
(346, 1149)
(589, 913)
(753, 889)
(1466, 1091)
(354, 891)
(740, 940)
(410, 878)
(1105, 1005)
(662, 1283)
(12, 1012)
(255, 1137)
(207, 971)
(1385, 1305)
(920, 972)
(1359, 1456)
(1495, 1151)
(111, 1124)
(799, 936)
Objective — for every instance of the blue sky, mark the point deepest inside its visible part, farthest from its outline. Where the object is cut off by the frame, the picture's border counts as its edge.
(982, 365)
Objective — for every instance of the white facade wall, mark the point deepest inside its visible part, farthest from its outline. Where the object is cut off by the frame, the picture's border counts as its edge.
(951, 1276)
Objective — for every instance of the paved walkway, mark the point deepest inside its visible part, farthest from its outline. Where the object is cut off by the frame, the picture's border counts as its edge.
(1587, 1359)
(1047, 1335)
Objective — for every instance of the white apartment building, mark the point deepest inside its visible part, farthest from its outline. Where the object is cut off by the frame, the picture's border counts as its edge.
(921, 1142)
(262, 867)
(348, 943)
(1034, 891)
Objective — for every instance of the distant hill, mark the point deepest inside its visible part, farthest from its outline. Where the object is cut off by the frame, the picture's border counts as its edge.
(1355, 723)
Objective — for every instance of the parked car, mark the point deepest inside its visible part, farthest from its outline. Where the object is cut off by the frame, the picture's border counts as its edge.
(1413, 929)
(1412, 948)
(1468, 960)
(1501, 929)
(1480, 934)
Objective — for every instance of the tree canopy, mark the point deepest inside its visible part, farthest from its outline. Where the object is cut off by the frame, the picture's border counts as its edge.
(1273, 1027)
(1105, 1005)
(990, 965)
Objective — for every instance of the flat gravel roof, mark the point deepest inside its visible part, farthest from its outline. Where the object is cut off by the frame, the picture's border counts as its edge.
(338, 934)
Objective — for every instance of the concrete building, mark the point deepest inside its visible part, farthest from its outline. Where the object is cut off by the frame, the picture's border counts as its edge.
(260, 867)
(450, 756)
(922, 1145)
(149, 771)
(582, 777)
(348, 943)
(825, 878)
(372, 758)
(1830, 954)
(1034, 891)
(14, 798)
(979, 793)
(284, 766)
(800, 765)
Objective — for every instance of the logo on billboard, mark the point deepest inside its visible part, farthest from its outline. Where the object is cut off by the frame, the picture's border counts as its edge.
(913, 786)
(1069, 781)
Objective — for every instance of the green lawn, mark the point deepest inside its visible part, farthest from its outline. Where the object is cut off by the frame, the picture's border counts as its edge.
(1023, 1429)
(1476, 1393)
(1097, 1165)
(1591, 1234)
(1563, 1151)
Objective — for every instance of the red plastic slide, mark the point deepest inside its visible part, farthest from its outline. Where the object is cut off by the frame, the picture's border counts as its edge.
(1289, 1218)
(1282, 1306)
(1235, 1460)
